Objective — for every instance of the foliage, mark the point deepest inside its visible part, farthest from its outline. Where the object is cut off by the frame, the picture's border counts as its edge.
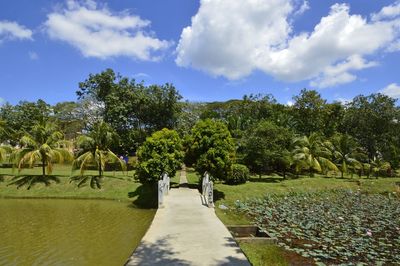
(160, 153)
(311, 154)
(210, 148)
(372, 120)
(44, 145)
(346, 152)
(94, 149)
(132, 109)
(239, 174)
(263, 147)
(334, 227)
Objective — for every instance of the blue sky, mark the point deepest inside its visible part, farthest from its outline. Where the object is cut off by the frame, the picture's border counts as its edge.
(210, 49)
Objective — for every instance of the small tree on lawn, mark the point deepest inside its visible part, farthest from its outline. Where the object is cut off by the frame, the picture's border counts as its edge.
(160, 153)
(44, 145)
(95, 150)
(211, 148)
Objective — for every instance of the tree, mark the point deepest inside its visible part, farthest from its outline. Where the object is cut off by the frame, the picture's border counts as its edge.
(68, 118)
(132, 109)
(263, 145)
(311, 154)
(94, 149)
(372, 120)
(210, 148)
(4, 150)
(44, 145)
(16, 117)
(345, 150)
(160, 153)
(308, 112)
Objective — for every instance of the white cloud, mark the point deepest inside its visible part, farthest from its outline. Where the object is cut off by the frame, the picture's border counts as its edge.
(340, 73)
(289, 103)
(303, 8)
(226, 36)
(33, 55)
(392, 90)
(98, 32)
(234, 38)
(387, 12)
(2, 101)
(141, 75)
(12, 30)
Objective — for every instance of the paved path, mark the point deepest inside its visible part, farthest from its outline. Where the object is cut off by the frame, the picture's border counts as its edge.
(186, 232)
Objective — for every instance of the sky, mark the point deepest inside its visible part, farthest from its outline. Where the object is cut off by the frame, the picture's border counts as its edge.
(210, 50)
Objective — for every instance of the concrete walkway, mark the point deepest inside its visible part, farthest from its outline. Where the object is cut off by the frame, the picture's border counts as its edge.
(186, 232)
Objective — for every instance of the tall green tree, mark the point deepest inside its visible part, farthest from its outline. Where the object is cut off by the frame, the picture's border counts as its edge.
(372, 120)
(263, 146)
(310, 153)
(308, 112)
(132, 109)
(210, 147)
(160, 153)
(94, 149)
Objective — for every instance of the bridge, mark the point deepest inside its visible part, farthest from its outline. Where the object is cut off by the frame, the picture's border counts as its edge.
(186, 231)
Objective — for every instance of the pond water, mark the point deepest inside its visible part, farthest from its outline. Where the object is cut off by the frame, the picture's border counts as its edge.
(69, 232)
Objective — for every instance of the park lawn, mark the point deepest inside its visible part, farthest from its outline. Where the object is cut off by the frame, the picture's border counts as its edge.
(116, 185)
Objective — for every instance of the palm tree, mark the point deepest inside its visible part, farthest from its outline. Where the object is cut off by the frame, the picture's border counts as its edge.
(4, 150)
(346, 151)
(44, 145)
(95, 150)
(310, 153)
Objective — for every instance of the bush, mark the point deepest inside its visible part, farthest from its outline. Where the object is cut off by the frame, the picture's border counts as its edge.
(210, 148)
(239, 174)
(160, 153)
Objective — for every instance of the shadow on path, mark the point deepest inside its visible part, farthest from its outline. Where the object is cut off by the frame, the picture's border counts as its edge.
(158, 253)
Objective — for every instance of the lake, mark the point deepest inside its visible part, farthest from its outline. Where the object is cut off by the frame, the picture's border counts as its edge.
(69, 232)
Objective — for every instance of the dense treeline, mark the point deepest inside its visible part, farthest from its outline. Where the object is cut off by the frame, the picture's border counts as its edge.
(359, 137)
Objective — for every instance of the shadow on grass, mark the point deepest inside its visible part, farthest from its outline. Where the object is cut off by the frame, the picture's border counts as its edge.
(145, 196)
(93, 180)
(31, 180)
(218, 195)
(265, 179)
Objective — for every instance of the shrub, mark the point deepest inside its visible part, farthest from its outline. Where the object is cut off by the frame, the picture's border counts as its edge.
(210, 148)
(239, 174)
(160, 153)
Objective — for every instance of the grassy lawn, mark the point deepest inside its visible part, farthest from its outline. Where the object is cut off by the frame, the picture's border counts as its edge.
(116, 185)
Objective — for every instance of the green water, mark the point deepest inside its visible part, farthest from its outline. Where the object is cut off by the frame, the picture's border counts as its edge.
(69, 232)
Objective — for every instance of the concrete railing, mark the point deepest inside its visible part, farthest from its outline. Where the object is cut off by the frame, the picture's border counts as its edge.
(208, 190)
(163, 189)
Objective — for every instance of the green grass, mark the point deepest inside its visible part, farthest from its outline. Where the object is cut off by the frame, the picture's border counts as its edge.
(264, 254)
(116, 185)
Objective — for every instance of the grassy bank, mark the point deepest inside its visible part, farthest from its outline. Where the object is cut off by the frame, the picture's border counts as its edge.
(267, 254)
(116, 185)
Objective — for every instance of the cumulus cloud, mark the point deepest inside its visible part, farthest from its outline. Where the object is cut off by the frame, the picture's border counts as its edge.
(392, 90)
(234, 38)
(341, 72)
(12, 30)
(387, 12)
(98, 32)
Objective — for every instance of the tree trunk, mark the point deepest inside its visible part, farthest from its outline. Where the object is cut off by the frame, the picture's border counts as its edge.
(100, 170)
(341, 173)
(43, 166)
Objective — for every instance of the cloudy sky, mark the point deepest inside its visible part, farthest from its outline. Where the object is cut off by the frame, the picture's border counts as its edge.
(209, 49)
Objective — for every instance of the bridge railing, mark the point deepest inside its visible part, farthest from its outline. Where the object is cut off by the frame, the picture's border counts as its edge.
(208, 190)
(163, 189)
